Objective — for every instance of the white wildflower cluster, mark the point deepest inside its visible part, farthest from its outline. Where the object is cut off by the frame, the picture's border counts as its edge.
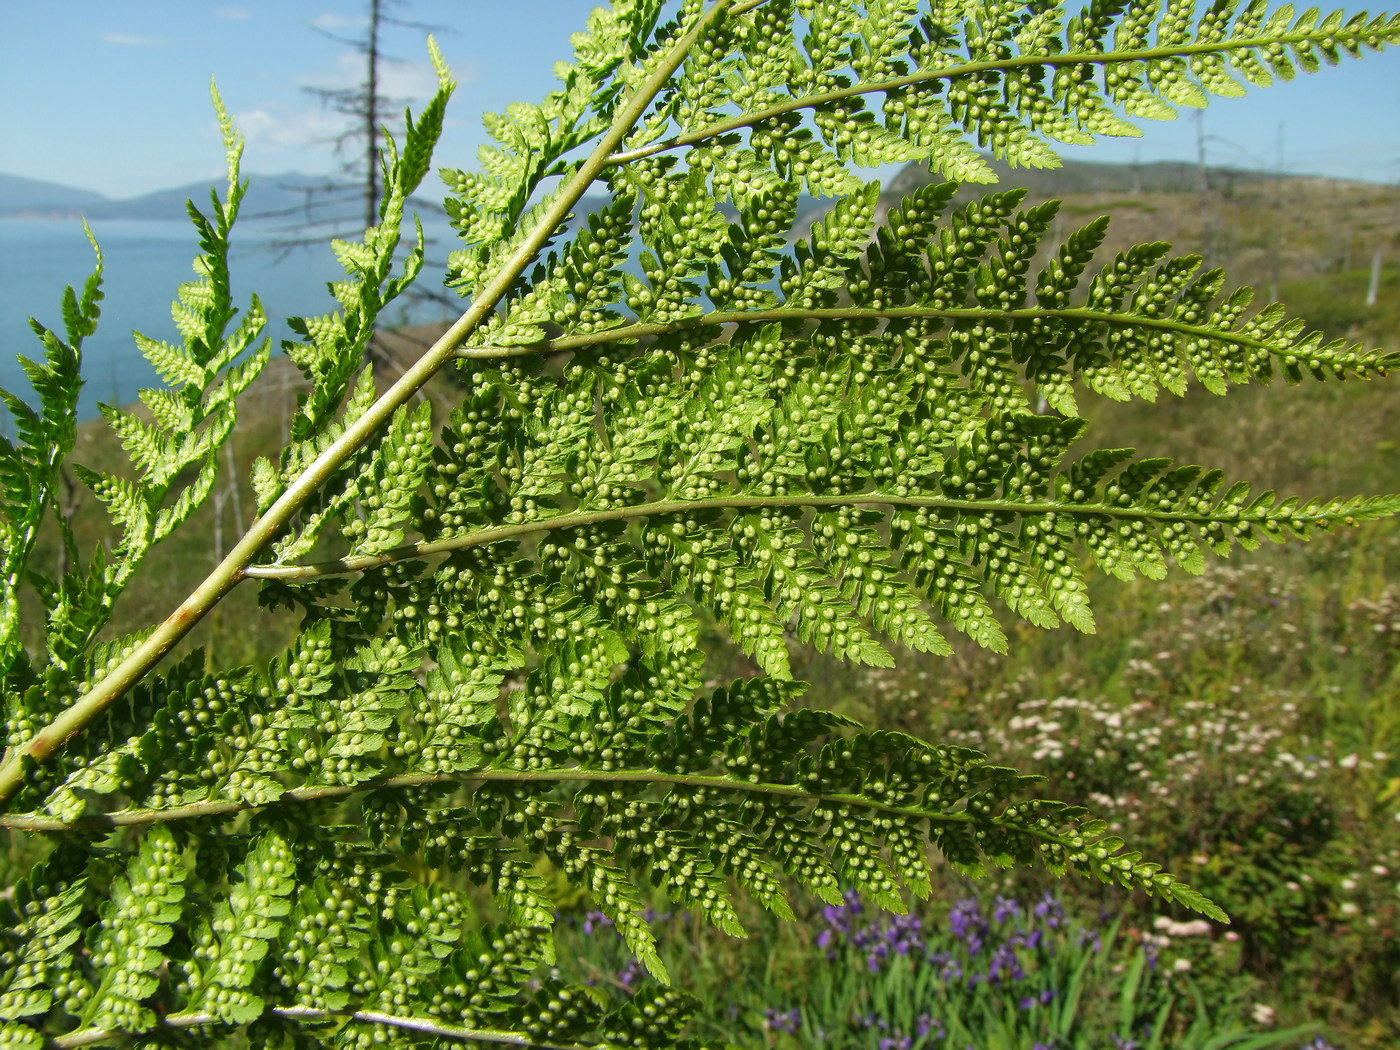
(1381, 616)
(1126, 753)
(1168, 928)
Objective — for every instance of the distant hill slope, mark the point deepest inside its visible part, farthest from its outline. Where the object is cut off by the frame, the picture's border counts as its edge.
(22, 196)
(1090, 177)
(294, 199)
(288, 198)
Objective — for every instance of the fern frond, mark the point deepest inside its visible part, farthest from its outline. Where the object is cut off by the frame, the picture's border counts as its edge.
(29, 469)
(194, 417)
(1008, 77)
(1142, 324)
(827, 809)
(41, 929)
(219, 977)
(332, 348)
(994, 502)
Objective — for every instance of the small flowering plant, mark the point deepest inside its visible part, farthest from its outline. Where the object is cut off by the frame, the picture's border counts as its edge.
(1000, 973)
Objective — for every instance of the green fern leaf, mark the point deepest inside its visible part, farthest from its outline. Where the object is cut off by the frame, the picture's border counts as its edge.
(125, 948)
(226, 951)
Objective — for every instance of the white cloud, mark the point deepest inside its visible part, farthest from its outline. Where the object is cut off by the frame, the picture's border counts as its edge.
(295, 130)
(132, 40)
(329, 20)
(415, 80)
(284, 128)
(237, 14)
(398, 80)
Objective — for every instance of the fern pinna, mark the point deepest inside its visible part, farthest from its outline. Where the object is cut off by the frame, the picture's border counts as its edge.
(682, 408)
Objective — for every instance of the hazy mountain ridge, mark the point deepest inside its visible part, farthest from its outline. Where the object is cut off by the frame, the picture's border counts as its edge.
(1076, 176)
(297, 198)
(23, 196)
(292, 198)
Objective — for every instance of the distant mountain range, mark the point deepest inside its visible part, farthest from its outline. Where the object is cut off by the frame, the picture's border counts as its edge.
(1074, 176)
(299, 200)
(19, 195)
(291, 199)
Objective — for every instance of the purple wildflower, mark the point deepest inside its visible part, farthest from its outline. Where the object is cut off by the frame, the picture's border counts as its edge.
(964, 916)
(595, 920)
(1149, 949)
(1028, 940)
(629, 974)
(1004, 909)
(1050, 910)
(931, 1025)
(789, 1021)
(876, 955)
(1005, 965)
(903, 934)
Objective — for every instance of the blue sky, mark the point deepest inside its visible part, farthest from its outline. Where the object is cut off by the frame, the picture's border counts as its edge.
(112, 96)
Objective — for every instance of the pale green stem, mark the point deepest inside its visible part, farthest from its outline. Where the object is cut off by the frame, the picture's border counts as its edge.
(424, 1025)
(645, 329)
(576, 519)
(962, 69)
(233, 568)
(292, 796)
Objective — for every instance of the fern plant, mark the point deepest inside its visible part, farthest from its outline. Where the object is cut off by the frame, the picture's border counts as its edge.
(680, 407)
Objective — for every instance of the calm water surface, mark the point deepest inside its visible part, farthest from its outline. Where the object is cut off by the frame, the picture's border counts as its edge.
(144, 263)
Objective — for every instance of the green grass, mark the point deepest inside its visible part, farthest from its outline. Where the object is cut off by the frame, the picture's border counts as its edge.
(1336, 304)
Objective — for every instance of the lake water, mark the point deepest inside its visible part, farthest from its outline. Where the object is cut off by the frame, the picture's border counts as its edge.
(144, 262)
